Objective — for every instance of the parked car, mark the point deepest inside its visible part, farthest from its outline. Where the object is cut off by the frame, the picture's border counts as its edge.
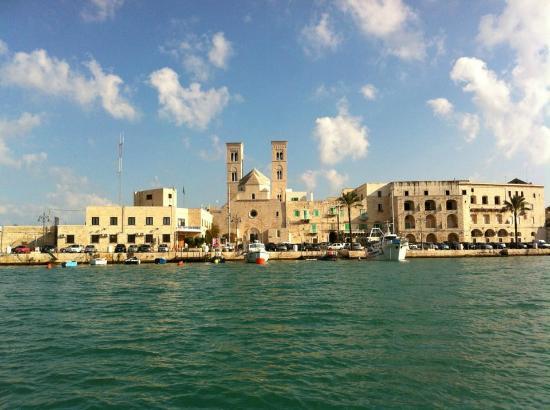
(144, 248)
(541, 243)
(21, 249)
(312, 247)
(47, 249)
(443, 247)
(518, 245)
(270, 247)
(74, 249)
(281, 247)
(468, 245)
(90, 249)
(336, 246)
(413, 246)
(484, 246)
(163, 247)
(132, 248)
(498, 245)
(120, 248)
(356, 246)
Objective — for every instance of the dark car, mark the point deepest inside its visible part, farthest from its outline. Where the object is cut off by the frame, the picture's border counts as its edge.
(270, 247)
(281, 247)
(21, 249)
(120, 248)
(48, 249)
(518, 245)
(144, 248)
(312, 247)
(468, 245)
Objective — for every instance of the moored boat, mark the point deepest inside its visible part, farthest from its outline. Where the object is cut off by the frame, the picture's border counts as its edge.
(386, 246)
(160, 261)
(69, 264)
(132, 261)
(256, 253)
(98, 262)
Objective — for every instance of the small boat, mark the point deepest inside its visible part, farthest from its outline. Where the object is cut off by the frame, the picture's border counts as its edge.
(330, 255)
(386, 246)
(132, 261)
(256, 253)
(160, 261)
(69, 264)
(98, 262)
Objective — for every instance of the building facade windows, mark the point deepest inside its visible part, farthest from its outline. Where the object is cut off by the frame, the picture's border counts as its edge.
(429, 205)
(95, 220)
(484, 200)
(113, 221)
(497, 200)
(131, 238)
(149, 197)
(94, 239)
(148, 238)
(131, 220)
(234, 156)
(113, 238)
(380, 209)
(166, 238)
(70, 239)
(166, 220)
(149, 220)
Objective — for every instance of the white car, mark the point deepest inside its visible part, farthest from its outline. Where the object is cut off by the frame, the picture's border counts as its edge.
(336, 246)
(74, 249)
(541, 243)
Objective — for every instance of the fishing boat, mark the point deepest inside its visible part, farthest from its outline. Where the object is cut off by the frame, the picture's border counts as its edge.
(70, 264)
(98, 262)
(256, 253)
(132, 261)
(160, 261)
(330, 255)
(386, 246)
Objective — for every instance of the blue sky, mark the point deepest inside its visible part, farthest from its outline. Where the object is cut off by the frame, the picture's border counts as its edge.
(363, 90)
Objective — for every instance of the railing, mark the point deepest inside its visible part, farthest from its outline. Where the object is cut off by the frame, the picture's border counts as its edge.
(188, 229)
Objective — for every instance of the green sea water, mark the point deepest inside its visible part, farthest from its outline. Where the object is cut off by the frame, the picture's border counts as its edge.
(449, 333)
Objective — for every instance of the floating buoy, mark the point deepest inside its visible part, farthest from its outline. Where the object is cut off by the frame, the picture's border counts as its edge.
(180, 263)
(260, 261)
(49, 266)
(216, 261)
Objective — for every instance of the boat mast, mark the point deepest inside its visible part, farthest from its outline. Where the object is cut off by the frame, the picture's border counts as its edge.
(392, 213)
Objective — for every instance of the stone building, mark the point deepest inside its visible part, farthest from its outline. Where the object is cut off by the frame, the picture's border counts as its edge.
(154, 218)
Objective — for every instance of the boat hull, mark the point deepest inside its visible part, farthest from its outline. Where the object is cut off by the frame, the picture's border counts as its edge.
(389, 252)
(255, 256)
(70, 264)
(98, 262)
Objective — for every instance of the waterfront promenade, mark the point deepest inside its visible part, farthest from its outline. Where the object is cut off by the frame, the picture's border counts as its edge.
(35, 258)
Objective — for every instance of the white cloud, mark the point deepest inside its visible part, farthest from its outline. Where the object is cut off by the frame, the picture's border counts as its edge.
(390, 21)
(341, 137)
(190, 106)
(369, 91)
(515, 105)
(441, 107)
(320, 37)
(40, 72)
(72, 190)
(18, 128)
(309, 178)
(196, 66)
(214, 152)
(100, 10)
(335, 179)
(466, 122)
(3, 47)
(221, 51)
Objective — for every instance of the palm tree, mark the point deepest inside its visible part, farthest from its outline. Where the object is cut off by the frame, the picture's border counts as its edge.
(516, 205)
(349, 200)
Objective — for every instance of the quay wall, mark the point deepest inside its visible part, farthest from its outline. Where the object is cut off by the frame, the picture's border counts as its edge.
(35, 258)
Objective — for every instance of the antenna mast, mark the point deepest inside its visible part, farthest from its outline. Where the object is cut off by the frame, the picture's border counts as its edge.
(120, 146)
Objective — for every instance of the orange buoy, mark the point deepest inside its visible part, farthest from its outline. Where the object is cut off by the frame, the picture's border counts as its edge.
(260, 261)
(180, 263)
(49, 266)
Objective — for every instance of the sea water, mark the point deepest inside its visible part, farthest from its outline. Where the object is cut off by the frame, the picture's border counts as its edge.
(310, 334)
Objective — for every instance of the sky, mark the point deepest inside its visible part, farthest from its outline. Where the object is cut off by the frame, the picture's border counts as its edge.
(363, 90)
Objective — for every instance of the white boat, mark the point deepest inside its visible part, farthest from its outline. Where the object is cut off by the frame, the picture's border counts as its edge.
(98, 262)
(132, 261)
(386, 246)
(256, 253)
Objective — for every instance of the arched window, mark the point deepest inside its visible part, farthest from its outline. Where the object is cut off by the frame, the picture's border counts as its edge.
(431, 238)
(279, 173)
(451, 205)
(452, 221)
(233, 174)
(429, 205)
(253, 196)
(453, 237)
(430, 221)
(409, 222)
(411, 238)
(408, 206)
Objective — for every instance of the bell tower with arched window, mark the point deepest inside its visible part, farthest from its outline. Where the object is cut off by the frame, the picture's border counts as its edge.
(234, 161)
(278, 169)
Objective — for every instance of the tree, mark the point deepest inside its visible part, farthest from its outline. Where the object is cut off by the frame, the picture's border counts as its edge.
(516, 205)
(349, 200)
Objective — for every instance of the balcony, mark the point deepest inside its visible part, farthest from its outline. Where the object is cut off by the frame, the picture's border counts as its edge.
(189, 229)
